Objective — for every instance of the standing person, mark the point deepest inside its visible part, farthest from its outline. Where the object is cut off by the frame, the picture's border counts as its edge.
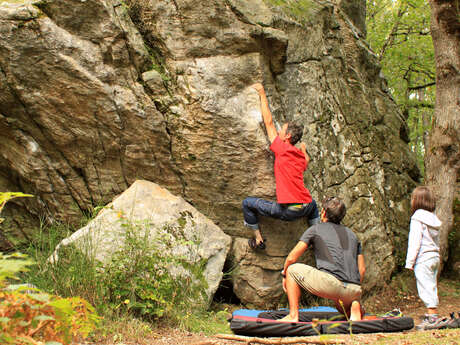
(339, 268)
(293, 199)
(423, 253)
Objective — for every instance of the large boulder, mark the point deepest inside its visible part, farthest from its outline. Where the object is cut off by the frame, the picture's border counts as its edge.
(96, 94)
(152, 213)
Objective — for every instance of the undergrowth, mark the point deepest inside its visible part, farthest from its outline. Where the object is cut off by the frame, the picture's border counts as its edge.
(143, 283)
(30, 316)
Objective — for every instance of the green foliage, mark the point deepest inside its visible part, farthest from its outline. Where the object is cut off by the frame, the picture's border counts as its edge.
(123, 329)
(137, 280)
(37, 316)
(73, 275)
(300, 10)
(208, 322)
(139, 277)
(67, 310)
(399, 33)
(11, 265)
(6, 196)
(28, 315)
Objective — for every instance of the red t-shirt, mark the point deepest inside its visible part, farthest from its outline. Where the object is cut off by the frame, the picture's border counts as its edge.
(290, 164)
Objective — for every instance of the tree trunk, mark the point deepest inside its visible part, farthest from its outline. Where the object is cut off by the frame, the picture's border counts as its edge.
(426, 119)
(442, 158)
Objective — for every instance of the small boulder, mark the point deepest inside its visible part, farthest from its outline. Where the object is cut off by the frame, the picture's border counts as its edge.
(154, 212)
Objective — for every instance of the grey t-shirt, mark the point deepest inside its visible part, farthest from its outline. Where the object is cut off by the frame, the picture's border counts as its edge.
(336, 250)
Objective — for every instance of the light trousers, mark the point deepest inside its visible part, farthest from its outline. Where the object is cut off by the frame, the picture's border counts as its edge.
(426, 274)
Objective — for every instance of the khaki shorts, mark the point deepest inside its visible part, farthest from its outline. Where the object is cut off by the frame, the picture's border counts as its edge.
(324, 285)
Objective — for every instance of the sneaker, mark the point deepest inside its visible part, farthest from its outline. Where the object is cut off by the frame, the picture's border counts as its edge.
(443, 323)
(453, 322)
(432, 321)
(393, 313)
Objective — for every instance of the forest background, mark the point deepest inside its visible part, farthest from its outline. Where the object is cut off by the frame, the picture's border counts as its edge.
(400, 34)
(424, 80)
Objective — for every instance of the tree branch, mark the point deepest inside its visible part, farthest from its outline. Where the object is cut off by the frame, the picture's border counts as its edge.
(419, 104)
(411, 88)
(284, 340)
(401, 11)
(407, 33)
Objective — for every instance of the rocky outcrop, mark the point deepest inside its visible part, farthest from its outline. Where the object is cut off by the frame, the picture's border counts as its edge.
(77, 126)
(161, 219)
(97, 94)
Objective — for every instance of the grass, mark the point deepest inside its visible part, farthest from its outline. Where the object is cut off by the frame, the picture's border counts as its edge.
(449, 293)
(125, 328)
(302, 11)
(77, 277)
(449, 288)
(128, 329)
(208, 323)
(132, 295)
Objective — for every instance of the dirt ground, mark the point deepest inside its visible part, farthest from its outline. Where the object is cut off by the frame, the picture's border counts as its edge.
(401, 293)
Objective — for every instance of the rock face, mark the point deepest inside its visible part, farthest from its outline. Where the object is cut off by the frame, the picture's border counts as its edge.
(96, 94)
(153, 212)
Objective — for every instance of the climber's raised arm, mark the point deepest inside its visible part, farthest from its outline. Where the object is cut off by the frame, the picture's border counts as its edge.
(266, 113)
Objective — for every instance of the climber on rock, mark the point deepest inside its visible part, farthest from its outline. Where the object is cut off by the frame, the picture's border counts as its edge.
(293, 199)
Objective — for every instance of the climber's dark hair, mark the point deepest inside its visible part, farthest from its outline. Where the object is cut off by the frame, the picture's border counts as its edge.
(296, 130)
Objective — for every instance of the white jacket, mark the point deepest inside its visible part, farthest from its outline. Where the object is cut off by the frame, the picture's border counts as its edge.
(423, 237)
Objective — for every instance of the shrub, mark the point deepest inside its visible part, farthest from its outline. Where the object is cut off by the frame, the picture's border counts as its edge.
(29, 316)
(146, 278)
(143, 277)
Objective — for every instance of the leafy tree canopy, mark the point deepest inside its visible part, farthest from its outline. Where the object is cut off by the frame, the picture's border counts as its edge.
(399, 33)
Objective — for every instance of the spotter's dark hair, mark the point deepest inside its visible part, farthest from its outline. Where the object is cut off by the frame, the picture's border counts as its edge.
(335, 209)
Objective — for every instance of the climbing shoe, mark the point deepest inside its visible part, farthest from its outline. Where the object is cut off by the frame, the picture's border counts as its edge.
(254, 245)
